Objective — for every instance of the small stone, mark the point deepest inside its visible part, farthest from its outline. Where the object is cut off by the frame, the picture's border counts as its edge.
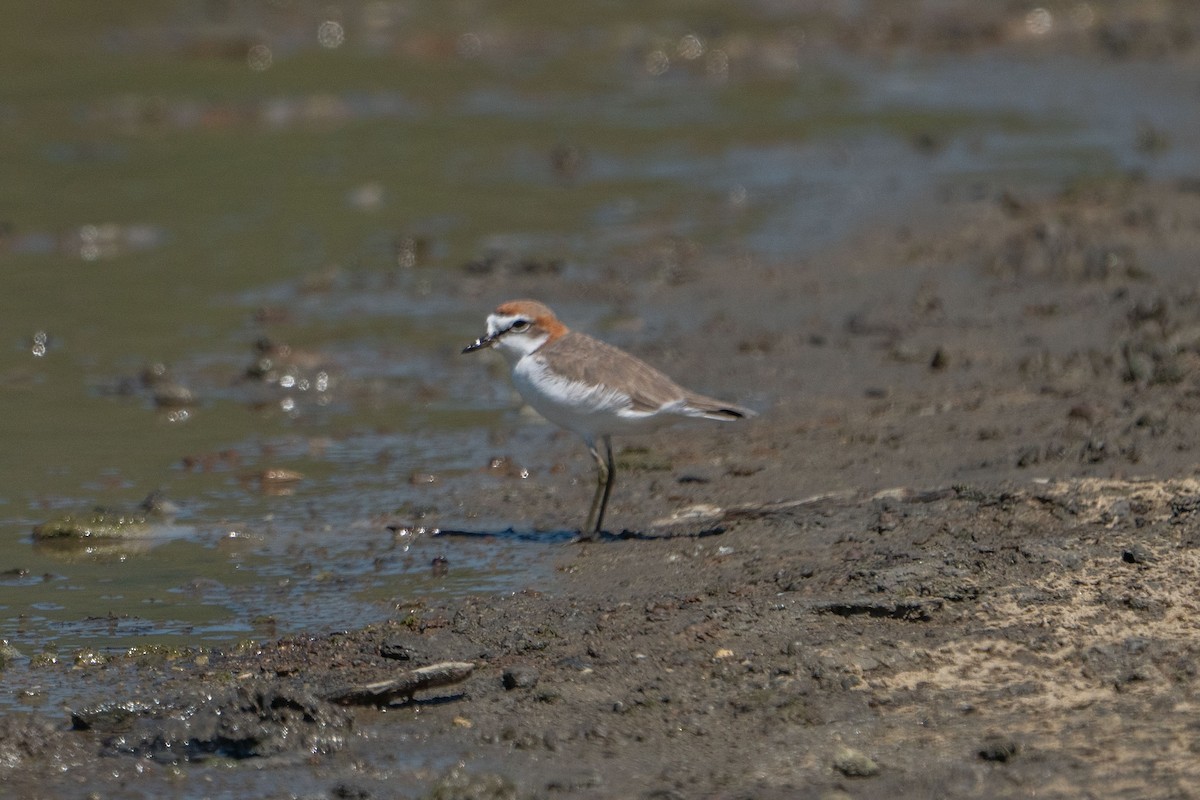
(1085, 412)
(108, 717)
(1137, 554)
(506, 467)
(396, 650)
(173, 395)
(854, 763)
(999, 748)
(275, 476)
(520, 677)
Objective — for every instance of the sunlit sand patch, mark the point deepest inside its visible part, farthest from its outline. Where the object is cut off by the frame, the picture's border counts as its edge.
(1056, 660)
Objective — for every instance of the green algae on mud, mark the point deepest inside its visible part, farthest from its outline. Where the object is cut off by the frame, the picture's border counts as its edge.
(103, 532)
(97, 525)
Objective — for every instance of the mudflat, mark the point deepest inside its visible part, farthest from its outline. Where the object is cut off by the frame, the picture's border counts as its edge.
(955, 556)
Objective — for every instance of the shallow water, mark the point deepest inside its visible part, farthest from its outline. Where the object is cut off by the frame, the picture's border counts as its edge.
(195, 177)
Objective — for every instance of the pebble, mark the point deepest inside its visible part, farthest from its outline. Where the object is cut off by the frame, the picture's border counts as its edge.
(274, 476)
(396, 650)
(999, 748)
(173, 395)
(854, 763)
(1137, 554)
(520, 677)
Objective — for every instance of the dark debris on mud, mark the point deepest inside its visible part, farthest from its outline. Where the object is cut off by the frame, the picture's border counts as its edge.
(251, 719)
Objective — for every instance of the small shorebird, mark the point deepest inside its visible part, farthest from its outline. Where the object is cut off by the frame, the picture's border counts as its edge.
(590, 387)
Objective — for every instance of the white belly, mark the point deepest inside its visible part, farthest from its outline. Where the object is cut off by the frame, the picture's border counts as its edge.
(588, 410)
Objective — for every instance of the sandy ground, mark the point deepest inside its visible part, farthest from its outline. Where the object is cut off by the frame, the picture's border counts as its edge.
(987, 587)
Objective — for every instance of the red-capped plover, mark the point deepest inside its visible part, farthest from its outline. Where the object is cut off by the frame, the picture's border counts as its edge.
(590, 387)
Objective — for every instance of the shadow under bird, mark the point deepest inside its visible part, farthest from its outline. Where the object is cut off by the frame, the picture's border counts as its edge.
(590, 388)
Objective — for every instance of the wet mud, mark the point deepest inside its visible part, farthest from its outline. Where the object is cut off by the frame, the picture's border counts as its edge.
(964, 566)
(956, 555)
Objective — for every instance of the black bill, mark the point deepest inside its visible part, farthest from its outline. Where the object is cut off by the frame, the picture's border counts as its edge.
(479, 344)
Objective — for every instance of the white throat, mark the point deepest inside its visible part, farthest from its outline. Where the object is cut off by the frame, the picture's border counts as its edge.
(514, 345)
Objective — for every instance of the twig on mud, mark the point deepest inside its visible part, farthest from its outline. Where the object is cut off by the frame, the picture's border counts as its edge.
(403, 686)
(712, 516)
(751, 510)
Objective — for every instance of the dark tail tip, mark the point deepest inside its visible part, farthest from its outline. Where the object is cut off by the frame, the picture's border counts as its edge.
(733, 412)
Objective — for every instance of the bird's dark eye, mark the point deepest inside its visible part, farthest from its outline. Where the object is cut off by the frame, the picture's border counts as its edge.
(520, 326)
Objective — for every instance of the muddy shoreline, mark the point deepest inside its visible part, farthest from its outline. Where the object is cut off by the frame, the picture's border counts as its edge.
(955, 556)
(988, 592)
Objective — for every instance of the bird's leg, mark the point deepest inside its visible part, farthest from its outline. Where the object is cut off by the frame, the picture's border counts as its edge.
(610, 477)
(606, 473)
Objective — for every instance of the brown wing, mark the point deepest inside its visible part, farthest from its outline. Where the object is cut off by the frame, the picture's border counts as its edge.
(580, 357)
